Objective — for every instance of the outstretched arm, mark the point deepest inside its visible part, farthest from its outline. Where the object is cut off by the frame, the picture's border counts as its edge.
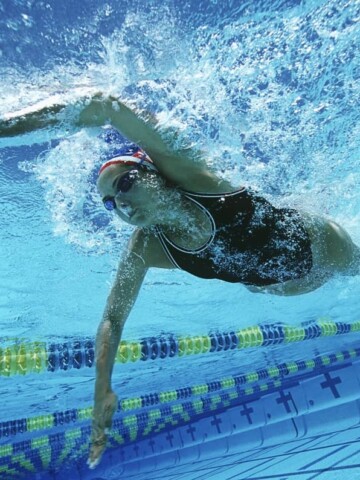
(41, 115)
(184, 167)
(144, 251)
(130, 275)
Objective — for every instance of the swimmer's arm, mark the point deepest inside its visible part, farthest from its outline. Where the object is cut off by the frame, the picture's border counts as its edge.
(185, 167)
(130, 274)
(37, 117)
(56, 110)
(128, 281)
(142, 253)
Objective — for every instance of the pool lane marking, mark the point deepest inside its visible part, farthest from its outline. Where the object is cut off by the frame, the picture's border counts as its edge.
(274, 372)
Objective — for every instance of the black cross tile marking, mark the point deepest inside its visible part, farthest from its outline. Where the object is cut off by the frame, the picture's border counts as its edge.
(216, 422)
(247, 411)
(285, 400)
(170, 438)
(191, 430)
(331, 383)
(152, 443)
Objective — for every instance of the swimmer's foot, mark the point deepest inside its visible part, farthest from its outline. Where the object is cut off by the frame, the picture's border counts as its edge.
(104, 410)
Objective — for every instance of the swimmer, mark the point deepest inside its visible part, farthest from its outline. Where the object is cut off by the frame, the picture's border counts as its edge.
(186, 217)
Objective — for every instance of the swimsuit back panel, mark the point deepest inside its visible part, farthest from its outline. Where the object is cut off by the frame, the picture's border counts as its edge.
(254, 242)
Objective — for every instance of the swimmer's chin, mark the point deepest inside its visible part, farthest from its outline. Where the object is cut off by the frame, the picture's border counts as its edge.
(137, 219)
(141, 222)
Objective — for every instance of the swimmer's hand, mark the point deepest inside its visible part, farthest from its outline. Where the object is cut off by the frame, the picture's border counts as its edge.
(104, 410)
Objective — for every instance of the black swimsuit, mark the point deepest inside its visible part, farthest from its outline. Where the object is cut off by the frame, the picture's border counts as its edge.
(252, 242)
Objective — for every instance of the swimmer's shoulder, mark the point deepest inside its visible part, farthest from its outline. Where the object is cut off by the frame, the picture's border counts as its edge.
(145, 244)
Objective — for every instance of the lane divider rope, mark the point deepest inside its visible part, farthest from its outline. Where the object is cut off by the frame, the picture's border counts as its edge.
(36, 357)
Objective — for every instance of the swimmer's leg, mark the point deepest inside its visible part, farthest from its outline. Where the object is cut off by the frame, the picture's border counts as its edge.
(342, 250)
(354, 269)
(334, 252)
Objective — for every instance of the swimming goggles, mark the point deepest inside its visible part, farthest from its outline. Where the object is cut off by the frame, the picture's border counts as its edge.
(123, 185)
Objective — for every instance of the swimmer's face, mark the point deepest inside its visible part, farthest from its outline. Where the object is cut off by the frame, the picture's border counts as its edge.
(138, 196)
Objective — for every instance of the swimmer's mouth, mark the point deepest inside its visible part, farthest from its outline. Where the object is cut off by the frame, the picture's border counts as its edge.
(127, 211)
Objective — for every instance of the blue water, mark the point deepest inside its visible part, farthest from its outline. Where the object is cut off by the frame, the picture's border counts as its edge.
(268, 90)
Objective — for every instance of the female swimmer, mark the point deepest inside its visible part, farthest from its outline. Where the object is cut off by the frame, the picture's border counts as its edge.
(188, 218)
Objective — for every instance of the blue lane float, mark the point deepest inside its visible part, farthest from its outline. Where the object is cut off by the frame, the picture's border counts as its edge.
(23, 358)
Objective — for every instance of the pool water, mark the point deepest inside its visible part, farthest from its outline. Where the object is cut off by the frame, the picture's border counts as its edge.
(213, 381)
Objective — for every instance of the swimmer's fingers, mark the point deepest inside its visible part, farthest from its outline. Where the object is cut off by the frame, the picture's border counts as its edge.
(96, 451)
(98, 443)
(103, 414)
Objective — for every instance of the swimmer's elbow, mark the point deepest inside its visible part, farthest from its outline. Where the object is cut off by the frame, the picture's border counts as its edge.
(98, 110)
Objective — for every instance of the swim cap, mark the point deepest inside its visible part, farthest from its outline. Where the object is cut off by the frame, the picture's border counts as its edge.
(139, 159)
(121, 151)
